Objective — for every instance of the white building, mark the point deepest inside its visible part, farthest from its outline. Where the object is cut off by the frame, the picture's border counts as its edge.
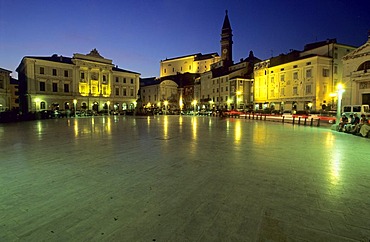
(356, 75)
(5, 93)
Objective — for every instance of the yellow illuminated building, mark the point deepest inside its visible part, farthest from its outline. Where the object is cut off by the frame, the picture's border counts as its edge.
(300, 80)
(49, 83)
(195, 63)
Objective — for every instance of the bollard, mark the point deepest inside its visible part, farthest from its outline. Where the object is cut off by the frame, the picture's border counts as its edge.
(305, 121)
(283, 119)
(265, 117)
(299, 120)
(293, 120)
(261, 117)
(318, 122)
(311, 122)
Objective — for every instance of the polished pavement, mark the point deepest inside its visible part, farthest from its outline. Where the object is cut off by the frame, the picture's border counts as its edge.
(181, 178)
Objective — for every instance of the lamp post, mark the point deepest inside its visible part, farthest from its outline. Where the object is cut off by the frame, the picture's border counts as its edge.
(165, 106)
(238, 93)
(108, 103)
(194, 102)
(340, 90)
(75, 106)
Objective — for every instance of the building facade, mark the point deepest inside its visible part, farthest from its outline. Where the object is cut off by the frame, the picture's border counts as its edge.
(195, 63)
(356, 75)
(5, 91)
(83, 82)
(300, 80)
(158, 94)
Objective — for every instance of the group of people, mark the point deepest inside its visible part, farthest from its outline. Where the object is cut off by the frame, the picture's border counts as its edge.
(355, 125)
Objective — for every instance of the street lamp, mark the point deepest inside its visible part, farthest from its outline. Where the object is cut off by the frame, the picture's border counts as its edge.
(194, 102)
(108, 103)
(75, 105)
(340, 90)
(165, 106)
(237, 99)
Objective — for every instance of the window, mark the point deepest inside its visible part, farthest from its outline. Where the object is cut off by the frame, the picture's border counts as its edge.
(308, 63)
(42, 70)
(117, 91)
(226, 88)
(124, 80)
(55, 87)
(335, 69)
(164, 70)
(117, 79)
(54, 72)
(295, 75)
(335, 55)
(132, 81)
(308, 89)
(272, 80)
(66, 87)
(65, 73)
(282, 93)
(42, 105)
(295, 90)
(82, 74)
(125, 91)
(42, 86)
(295, 66)
(308, 73)
(1, 84)
(131, 92)
(325, 72)
(189, 67)
(282, 78)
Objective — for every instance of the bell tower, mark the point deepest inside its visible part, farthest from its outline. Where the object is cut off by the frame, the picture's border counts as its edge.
(226, 42)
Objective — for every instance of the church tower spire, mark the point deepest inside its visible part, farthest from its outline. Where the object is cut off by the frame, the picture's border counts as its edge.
(226, 41)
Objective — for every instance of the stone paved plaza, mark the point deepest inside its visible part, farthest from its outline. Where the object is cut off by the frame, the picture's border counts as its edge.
(181, 178)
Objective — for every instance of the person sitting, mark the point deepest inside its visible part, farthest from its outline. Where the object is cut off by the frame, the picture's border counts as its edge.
(365, 130)
(343, 122)
(350, 127)
(356, 129)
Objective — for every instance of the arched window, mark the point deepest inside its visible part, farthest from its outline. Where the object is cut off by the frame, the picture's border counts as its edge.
(42, 105)
(364, 66)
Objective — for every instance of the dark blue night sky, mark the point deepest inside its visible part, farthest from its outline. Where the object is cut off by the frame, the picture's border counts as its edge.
(137, 34)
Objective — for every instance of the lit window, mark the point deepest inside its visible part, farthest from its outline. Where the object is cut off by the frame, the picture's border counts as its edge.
(308, 73)
(282, 78)
(295, 90)
(308, 89)
(325, 72)
(295, 75)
